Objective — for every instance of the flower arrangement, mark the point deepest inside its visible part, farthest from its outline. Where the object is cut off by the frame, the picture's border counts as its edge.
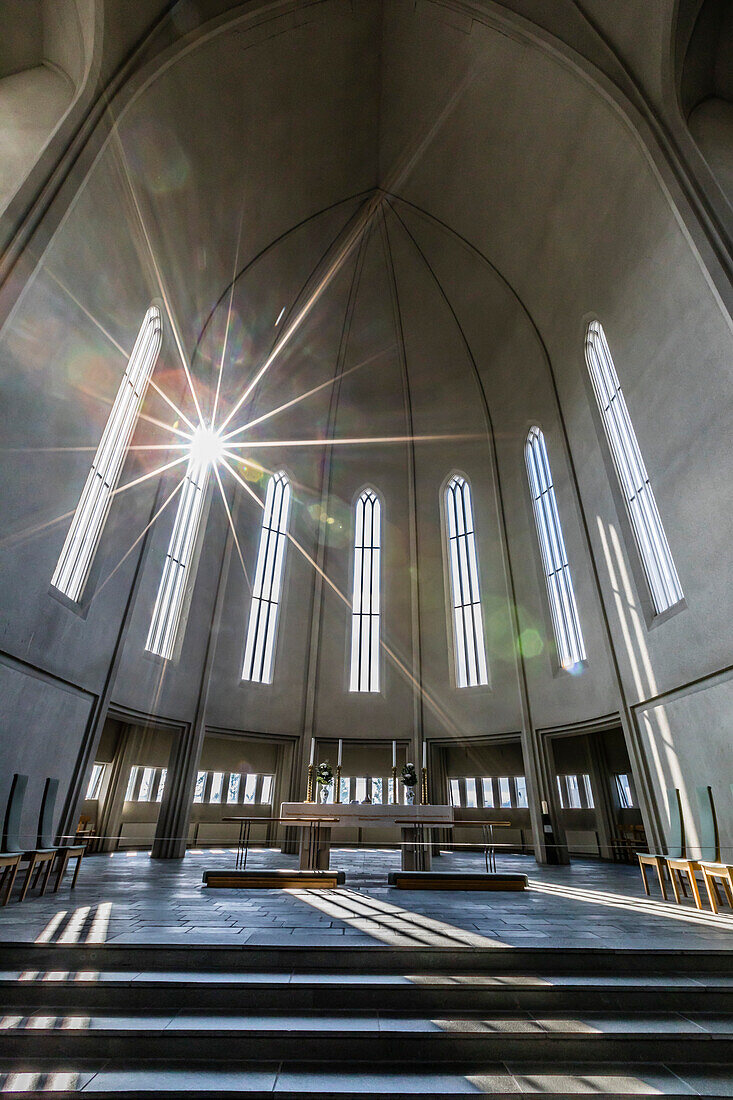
(324, 774)
(409, 775)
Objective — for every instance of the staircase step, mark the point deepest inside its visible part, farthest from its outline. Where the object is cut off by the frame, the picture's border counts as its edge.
(362, 960)
(88, 991)
(559, 1080)
(339, 1042)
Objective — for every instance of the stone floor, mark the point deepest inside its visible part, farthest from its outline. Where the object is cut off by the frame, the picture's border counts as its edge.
(129, 898)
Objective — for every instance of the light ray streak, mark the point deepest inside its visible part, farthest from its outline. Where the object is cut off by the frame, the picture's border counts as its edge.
(108, 335)
(303, 396)
(342, 254)
(86, 392)
(229, 317)
(176, 410)
(355, 441)
(77, 450)
(95, 321)
(399, 664)
(115, 137)
(142, 534)
(399, 173)
(231, 524)
(29, 532)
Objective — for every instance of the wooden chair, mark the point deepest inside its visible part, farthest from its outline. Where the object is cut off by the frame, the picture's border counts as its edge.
(712, 873)
(709, 848)
(713, 870)
(10, 856)
(676, 846)
(64, 853)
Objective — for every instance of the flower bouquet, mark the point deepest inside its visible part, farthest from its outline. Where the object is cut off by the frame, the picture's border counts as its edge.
(409, 779)
(324, 779)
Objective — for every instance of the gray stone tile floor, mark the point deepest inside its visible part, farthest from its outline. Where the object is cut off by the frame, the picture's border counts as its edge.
(128, 898)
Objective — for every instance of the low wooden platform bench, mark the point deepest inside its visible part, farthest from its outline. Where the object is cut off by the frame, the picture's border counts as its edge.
(226, 879)
(457, 880)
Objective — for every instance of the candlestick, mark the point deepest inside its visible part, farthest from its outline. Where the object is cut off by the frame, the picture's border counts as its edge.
(341, 746)
(424, 791)
(337, 796)
(394, 784)
(309, 787)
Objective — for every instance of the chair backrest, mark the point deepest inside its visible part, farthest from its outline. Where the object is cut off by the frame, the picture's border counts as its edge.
(676, 845)
(11, 826)
(45, 820)
(709, 834)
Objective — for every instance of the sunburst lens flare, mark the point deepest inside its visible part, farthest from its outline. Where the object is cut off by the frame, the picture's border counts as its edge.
(206, 446)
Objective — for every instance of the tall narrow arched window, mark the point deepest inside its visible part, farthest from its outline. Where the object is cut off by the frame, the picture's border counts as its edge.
(365, 602)
(259, 650)
(565, 620)
(72, 569)
(646, 523)
(468, 627)
(179, 560)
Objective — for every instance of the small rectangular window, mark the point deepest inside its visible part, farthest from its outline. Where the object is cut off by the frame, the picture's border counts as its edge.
(377, 789)
(505, 794)
(266, 796)
(561, 792)
(455, 792)
(198, 794)
(522, 802)
(250, 788)
(471, 797)
(233, 788)
(487, 791)
(161, 785)
(217, 786)
(95, 781)
(623, 791)
(588, 792)
(360, 788)
(573, 792)
(345, 789)
(146, 786)
(132, 781)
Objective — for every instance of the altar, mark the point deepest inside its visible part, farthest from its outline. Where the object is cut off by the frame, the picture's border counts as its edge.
(316, 820)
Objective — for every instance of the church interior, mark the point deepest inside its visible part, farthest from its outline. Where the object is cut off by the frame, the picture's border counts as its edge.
(366, 679)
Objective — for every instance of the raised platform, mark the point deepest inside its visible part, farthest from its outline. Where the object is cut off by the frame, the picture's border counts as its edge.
(457, 880)
(226, 879)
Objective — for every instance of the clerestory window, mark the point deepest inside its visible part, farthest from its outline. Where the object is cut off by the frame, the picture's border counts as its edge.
(646, 523)
(365, 602)
(563, 608)
(179, 559)
(82, 540)
(468, 629)
(259, 651)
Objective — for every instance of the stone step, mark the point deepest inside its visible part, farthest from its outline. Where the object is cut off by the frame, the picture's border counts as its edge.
(90, 990)
(584, 961)
(341, 1040)
(559, 1080)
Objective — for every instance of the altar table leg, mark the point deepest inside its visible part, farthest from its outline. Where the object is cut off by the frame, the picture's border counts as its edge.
(415, 852)
(315, 847)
